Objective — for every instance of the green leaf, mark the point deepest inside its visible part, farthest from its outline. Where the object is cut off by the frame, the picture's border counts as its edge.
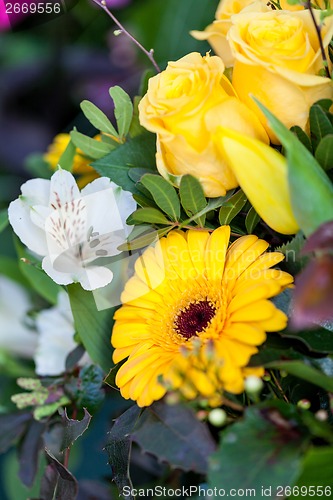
(192, 197)
(147, 237)
(97, 118)
(73, 429)
(148, 215)
(123, 109)
(305, 372)
(251, 220)
(316, 473)
(232, 207)
(324, 152)
(66, 159)
(164, 194)
(302, 136)
(320, 125)
(91, 147)
(86, 389)
(294, 261)
(37, 279)
(175, 435)
(138, 152)
(307, 180)
(93, 326)
(37, 166)
(320, 340)
(262, 451)
(213, 204)
(118, 447)
(10, 267)
(3, 219)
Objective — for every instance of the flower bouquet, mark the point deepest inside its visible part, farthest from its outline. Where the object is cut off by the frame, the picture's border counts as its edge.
(183, 257)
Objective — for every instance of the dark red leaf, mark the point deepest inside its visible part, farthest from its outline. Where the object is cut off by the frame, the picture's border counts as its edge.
(29, 450)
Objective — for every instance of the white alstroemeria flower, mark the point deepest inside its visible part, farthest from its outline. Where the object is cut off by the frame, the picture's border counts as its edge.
(71, 229)
(56, 330)
(15, 336)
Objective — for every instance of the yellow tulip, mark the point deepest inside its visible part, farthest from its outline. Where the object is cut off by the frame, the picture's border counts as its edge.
(261, 172)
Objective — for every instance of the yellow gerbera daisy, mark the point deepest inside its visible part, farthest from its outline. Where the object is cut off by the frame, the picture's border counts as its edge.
(193, 314)
(81, 165)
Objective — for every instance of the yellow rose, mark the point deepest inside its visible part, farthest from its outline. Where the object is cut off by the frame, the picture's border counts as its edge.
(216, 33)
(278, 60)
(183, 106)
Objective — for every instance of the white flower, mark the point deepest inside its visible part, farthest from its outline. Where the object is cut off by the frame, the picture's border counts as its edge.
(72, 229)
(56, 330)
(15, 336)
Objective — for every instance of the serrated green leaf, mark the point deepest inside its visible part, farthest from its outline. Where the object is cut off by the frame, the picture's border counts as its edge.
(48, 409)
(164, 194)
(97, 118)
(192, 197)
(251, 220)
(93, 326)
(294, 261)
(232, 207)
(123, 109)
(320, 125)
(3, 219)
(66, 159)
(148, 215)
(134, 153)
(86, 389)
(324, 152)
(91, 147)
(302, 136)
(307, 180)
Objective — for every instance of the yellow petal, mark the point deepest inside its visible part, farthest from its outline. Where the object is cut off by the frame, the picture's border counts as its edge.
(215, 253)
(262, 174)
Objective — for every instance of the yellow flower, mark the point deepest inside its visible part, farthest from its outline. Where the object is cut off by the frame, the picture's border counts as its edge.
(262, 174)
(193, 314)
(216, 33)
(278, 60)
(182, 106)
(81, 165)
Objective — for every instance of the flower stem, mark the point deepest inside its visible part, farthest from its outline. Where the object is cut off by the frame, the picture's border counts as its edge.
(148, 53)
(318, 29)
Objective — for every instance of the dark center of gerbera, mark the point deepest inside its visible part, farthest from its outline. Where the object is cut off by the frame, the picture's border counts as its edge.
(194, 318)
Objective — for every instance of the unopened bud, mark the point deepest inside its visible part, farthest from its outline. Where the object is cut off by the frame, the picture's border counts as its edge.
(304, 404)
(217, 417)
(321, 415)
(117, 32)
(253, 385)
